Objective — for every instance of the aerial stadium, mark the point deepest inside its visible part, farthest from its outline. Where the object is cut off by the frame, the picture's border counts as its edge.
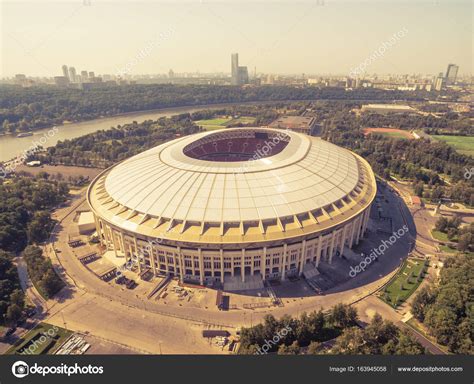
(243, 203)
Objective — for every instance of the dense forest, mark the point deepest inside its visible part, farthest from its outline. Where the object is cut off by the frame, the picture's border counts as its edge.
(104, 148)
(41, 272)
(25, 206)
(435, 164)
(12, 299)
(462, 235)
(39, 107)
(446, 309)
(334, 332)
(450, 123)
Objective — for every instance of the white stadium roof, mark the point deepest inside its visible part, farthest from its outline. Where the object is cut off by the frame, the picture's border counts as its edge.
(306, 175)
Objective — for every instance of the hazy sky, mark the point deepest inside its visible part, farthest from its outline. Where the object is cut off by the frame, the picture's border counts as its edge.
(312, 37)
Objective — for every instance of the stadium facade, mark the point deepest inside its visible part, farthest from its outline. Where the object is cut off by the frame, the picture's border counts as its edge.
(235, 202)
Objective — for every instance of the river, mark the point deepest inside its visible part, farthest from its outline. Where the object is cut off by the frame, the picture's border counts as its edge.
(12, 146)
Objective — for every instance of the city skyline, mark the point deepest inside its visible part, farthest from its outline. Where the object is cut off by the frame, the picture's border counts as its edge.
(310, 38)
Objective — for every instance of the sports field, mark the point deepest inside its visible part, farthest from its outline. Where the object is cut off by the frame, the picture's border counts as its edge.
(462, 144)
(389, 132)
(212, 124)
(222, 122)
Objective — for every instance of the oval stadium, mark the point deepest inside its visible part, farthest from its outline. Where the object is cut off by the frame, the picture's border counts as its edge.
(243, 203)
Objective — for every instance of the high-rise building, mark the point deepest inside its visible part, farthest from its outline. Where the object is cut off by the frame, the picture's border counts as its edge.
(239, 75)
(439, 82)
(243, 75)
(235, 69)
(84, 75)
(451, 74)
(91, 74)
(65, 72)
(72, 74)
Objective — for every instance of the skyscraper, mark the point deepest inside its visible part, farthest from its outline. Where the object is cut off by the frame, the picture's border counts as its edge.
(235, 69)
(239, 75)
(84, 75)
(65, 72)
(72, 74)
(451, 74)
(439, 82)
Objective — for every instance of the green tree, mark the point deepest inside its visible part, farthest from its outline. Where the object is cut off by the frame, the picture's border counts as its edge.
(292, 349)
(314, 348)
(13, 314)
(421, 302)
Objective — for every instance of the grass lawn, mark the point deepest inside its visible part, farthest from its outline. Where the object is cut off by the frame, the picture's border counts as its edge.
(222, 122)
(213, 124)
(462, 144)
(438, 235)
(216, 121)
(393, 135)
(43, 339)
(446, 249)
(404, 283)
(242, 120)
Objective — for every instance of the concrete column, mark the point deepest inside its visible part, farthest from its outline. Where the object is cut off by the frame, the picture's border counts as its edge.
(166, 261)
(351, 241)
(174, 263)
(222, 265)
(271, 264)
(318, 250)
(232, 266)
(302, 256)
(264, 263)
(108, 239)
(122, 242)
(152, 257)
(366, 221)
(104, 231)
(97, 228)
(212, 266)
(252, 265)
(359, 227)
(181, 265)
(193, 268)
(136, 253)
(343, 240)
(331, 248)
(114, 242)
(283, 264)
(242, 265)
(201, 267)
